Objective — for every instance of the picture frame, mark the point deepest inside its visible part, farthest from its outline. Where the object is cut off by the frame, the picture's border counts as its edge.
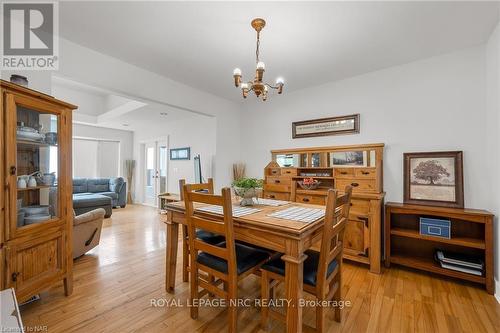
(434, 179)
(326, 126)
(180, 153)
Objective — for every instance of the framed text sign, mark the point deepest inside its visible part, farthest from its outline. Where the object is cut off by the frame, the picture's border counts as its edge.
(326, 126)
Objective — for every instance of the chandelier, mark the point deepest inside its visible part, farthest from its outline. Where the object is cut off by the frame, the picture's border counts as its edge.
(257, 86)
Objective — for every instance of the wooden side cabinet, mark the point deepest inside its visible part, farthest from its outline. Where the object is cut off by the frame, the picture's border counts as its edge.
(471, 234)
(36, 196)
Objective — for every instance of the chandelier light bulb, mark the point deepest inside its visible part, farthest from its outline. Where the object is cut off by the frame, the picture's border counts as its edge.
(237, 71)
(280, 81)
(261, 65)
(244, 85)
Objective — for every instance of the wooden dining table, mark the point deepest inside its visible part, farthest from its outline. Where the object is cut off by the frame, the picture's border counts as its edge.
(289, 237)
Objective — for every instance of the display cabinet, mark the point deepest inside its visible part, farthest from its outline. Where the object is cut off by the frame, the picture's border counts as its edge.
(36, 200)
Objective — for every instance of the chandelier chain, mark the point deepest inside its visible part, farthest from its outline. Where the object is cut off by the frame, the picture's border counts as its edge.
(258, 45)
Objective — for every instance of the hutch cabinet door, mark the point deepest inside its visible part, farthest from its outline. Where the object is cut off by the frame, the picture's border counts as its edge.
(34, 165)
(35, 263)
(356, 236)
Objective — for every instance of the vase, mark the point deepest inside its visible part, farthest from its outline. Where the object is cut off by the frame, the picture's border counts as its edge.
(247, 195)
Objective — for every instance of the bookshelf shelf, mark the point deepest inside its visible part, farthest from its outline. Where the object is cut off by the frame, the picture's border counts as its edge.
(461, 241)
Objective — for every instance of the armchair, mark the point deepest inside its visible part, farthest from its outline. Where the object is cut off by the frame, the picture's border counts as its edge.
(87, 231)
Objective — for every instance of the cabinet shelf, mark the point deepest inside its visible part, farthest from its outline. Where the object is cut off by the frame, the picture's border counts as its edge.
(35, 188)
(461, 241)
(21, 142)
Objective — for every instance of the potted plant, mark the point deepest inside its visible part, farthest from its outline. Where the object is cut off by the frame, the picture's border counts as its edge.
(247, 189)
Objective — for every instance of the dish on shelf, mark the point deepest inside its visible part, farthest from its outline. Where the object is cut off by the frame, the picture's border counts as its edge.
(32, 219)
(30, 136)
(36, 210)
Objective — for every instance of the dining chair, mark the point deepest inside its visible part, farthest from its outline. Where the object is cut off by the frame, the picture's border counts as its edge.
(228, 262)
(201, 234)
(322, 275)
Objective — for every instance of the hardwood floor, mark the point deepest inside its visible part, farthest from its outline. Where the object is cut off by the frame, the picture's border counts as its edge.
(115, 283)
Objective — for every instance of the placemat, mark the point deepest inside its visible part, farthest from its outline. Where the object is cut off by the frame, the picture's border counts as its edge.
(299, 214)
(238, 211)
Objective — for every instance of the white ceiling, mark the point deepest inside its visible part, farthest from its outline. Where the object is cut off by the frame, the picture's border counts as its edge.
(103, 108)
(200, 44)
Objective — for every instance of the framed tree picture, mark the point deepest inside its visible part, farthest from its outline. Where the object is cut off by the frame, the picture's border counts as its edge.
(434, 178)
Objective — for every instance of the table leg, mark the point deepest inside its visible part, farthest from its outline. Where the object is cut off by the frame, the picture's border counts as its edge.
(171, 254)
(294, 260)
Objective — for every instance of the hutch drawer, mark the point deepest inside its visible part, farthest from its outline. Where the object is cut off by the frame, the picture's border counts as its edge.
(289, 172)
(362, 173)
(277, 195)
(344, 172)
(279, 180)
(359, 185)
(311, 199)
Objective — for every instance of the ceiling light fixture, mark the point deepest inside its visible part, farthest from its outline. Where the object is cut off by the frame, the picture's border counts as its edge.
(257, 86)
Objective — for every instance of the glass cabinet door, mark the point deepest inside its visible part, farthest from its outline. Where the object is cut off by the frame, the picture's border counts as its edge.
(34, 162)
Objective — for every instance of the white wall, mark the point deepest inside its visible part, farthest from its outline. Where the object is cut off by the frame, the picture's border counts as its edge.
(433, 104)
(126, 139)
(197, 132)
(493, 138)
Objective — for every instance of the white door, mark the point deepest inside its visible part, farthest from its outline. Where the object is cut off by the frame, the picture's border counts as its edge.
(156, 172)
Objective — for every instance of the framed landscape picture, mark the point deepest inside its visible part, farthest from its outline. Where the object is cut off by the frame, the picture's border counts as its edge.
(434, 178)
(326, 126)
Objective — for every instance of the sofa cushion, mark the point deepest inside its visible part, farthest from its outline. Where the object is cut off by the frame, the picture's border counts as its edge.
(91, 200)
(116, 184)
(112, 195)
(96, 185)
(79, 185)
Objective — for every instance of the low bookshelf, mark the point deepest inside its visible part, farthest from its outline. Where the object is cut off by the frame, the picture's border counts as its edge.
(471, 234)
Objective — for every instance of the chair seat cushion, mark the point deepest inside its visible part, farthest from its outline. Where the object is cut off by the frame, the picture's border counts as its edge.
(246, 258)
(277, 266)
(209, 237)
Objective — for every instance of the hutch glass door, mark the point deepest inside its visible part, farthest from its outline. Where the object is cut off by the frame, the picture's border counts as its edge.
(34, 164)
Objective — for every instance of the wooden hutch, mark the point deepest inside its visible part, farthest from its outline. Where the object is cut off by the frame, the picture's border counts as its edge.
(36, 214)
(335, 167)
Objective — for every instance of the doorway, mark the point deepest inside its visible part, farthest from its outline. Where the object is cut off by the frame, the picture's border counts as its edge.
(155, 170)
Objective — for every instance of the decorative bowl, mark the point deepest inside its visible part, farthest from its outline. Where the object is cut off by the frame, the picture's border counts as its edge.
(32, 219)
(247, 195)
(309, 186)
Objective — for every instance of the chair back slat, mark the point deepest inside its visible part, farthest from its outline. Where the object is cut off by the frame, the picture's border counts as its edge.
(220, 225)
(217, 251)
(215, 226)
(336, 216)
(208, 186)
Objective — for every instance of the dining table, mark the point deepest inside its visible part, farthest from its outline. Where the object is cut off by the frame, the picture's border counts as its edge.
(289, 237)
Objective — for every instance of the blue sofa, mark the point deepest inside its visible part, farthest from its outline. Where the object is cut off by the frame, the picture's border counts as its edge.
(92, 193)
